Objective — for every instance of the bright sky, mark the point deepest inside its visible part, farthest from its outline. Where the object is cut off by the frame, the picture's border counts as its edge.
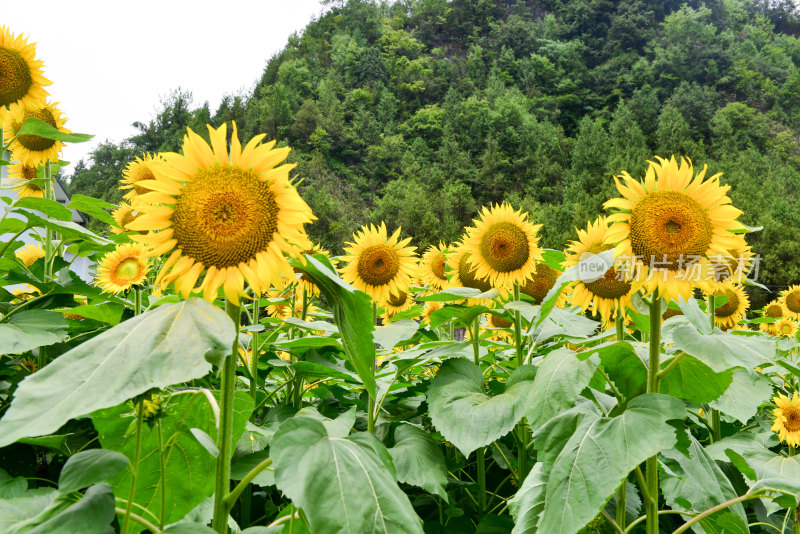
(112, 62)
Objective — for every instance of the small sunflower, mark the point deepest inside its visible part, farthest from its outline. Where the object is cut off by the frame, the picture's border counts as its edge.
(124, 215)
(542, 281)
(122, 269)
(785, 328)
(499, 329)
(429, 308)
(463, 274)
(790, 299)
(232, 213)
(25, 292)
(671, 312)
(301, 278)
(787, 419)
(396, 304)
(379, 265)
(773, 310)
(431, 268)
(283, 310)
(20, 179)
(33, 150)
(503, 246)
(21, 78)
(137, 171)
(608, 295)
(30, 253)
(670, 224)
(729, 314)
(734, 265)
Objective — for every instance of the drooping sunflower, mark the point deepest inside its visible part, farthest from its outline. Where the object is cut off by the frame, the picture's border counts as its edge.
(785, 328)
(431, 268)
(541, 282)
(21, 78)
(33, 150)
(30, 253)
(123, 268)
(137, 171)
(773, 310)
(670, 224)
(787, 419)
(20, 179)
(396, 304)
(729, 314)
(379, 265)
(503, 246)
(231, 213)
(608, 294)
(790, 299)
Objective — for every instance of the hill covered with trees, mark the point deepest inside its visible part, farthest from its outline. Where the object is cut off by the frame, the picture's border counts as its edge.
(419, 112)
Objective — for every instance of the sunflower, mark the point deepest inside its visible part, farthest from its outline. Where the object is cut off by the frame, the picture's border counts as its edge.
(730, 313)
(773, 310)
(30, 253)
(233, 214)
(670, 224)
(431, 267)
(787, 419)
(790, 299)
(301, 278)
(734, 265)
(609, 294)
(122, 269)
(429, 308)
(499, 328)
(21, 78)
(283, 310)
(33, 150)
(463, 274)
(785, 328)
(124, 215)
(137, 171)
(20, 178)
(671, 312)
(541, 282)
(25, 292)
(379, 265)
(503, 246)
(396, 304)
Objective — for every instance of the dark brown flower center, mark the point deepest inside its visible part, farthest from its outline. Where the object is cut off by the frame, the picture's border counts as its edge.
(504, 246)
(35, 143)
(378, 264)
(15, 76)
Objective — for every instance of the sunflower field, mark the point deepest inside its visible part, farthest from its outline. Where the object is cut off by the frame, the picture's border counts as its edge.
(221, 372)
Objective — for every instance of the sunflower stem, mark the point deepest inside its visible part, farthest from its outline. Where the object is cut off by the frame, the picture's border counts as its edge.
(135, 465)
(371, 402)
(622, 503)
(254, 357)
(620, 324)
(304, 312)
(137, 301)
(716, 431)
(476, 352)
(163, 478)
(651, 464)
(48, 237)
(522, 427)
(225, 433)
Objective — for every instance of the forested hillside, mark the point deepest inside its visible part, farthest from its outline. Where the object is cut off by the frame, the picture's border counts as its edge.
(419, 112)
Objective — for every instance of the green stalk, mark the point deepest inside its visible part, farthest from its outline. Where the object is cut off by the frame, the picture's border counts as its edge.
(135, 465)
(620, 324)
(225, 434)
(163, 481)
(518, 328)
(651, 464)
(254, 358)
(476, 350)
(371, 402)
(48, 238)
(716, 430)
(522, 428)
(621, 503)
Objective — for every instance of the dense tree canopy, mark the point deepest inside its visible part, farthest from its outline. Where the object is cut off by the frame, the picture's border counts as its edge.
(418, 112)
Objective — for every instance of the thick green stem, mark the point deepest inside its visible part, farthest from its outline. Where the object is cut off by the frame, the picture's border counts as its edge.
(371, 402)
(135, 465)
(522, 427)
(48, 235)
(699, 517)
(225, 433)
(716, 431)
(518, 328)
(163, 479)
(620, 324)
(651, 506)
(476, 354)
(254, 356)
(621, 503)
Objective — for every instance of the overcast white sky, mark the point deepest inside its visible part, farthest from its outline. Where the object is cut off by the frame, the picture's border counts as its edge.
(111, 62)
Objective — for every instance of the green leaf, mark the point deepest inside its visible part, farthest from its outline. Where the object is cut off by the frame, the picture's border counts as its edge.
(527, 504)
(194, 528)
(622, 365)
(34, 126)
(598, 455)
(29, 329)
(452, 294)
(418, 460)
(720, 351)
(691, 311)
(352, 310)
(90, 467)
(563, 323)
(242, 465)
(464, 414)
(156, 349)
(94, 207)
(696, 483)
(388, 336)
(61, 515)
(694, 381)
(560, 378)
(69, 230)
(765, 469)
(748, 390)
(107, 312)
(336, 428)
(21, 507)
(464, 315)
(341, 485)
(189, 468)
(51, 208)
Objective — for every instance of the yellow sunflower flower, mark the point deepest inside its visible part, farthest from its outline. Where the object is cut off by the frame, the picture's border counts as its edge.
(729, 314)
(773, 310)
(33, 150)
(396, 304)
(431, 268)
(463, 274)
(787, 419)
(503, 246)
(379, 265)
(429, 308)
(609, 294)
(790, 300)
(541, 283)
(499, 329)
(301, 278)
(21, 78)
(123, 268)
(20, 177)
(283, 310)
(137, 171)
(785, 328)
(25, 292)
(670, 224)
(30, 253)
(231, 213)
(124, 215)
(734, 265)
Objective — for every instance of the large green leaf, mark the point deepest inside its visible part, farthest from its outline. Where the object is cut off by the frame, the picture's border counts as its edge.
(94, 207)
(51, 208)
(156, 349)
(749, 390)
(696, 483)
(90, 467)
(694, 381)
(527, 504)
(29, 329)
(188, 466)
(597, 456)
(765, 469)
(34, 126)
(462, 411)
(418, 459)
(720, 351)
(623, 366)
(389, 335)
(563, 323)
(559, 380)
(341, 484)
(352, 310)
